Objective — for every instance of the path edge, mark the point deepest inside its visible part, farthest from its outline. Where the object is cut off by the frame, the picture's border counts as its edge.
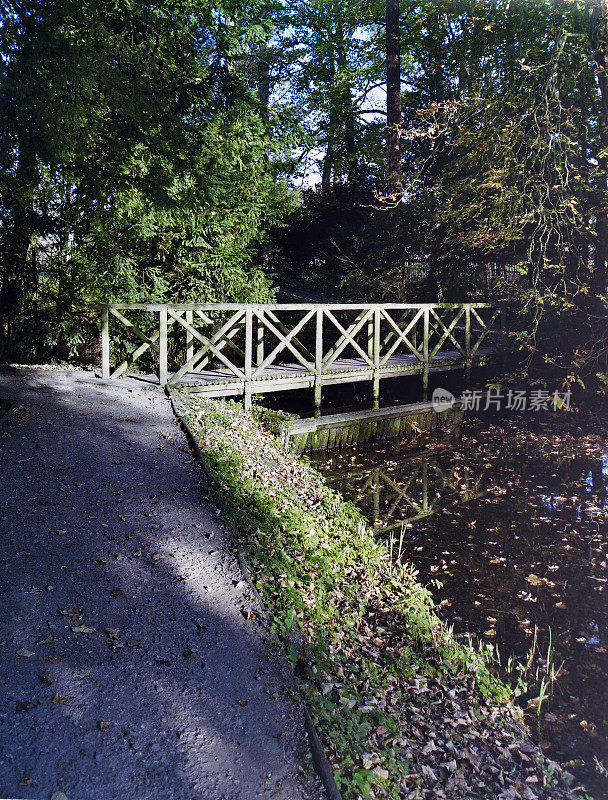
(319, 759)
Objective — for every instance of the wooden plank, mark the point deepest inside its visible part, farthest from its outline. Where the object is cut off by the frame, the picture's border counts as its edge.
(304, 351)
(279, 306)
(208, 347)
(285, 342)
(425, 355)
(189, 338)
(105, 343)
(348, 337)
(401, 335)
(162, 348)
(368, 415)
(248, 356)
(148, 342)
(376, 378)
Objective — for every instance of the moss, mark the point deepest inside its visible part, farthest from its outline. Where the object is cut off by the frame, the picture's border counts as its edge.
(377, 667)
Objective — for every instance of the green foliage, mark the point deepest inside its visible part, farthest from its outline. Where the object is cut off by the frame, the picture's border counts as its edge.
(137, 162)
(323, 577)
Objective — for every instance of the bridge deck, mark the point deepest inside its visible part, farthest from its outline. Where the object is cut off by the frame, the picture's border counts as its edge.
(222, 382)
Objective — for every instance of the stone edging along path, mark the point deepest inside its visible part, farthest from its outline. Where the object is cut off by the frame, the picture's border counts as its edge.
(319, 759)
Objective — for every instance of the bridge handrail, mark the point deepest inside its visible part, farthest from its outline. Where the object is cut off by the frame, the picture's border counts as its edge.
(316, 343)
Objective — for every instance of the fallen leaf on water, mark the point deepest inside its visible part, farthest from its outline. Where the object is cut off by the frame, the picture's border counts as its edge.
(52, 659)
(60, 699)
(25, 782)
(25, 653)
(49, 640)
(103, 725)
(243, 703)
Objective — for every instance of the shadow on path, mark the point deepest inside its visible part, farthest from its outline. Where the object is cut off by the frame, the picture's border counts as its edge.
(127, 667)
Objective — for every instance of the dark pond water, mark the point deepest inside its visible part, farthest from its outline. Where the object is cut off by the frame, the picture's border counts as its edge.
(514, 524)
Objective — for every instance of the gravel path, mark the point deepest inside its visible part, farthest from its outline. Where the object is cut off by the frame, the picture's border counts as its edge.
(128, 667)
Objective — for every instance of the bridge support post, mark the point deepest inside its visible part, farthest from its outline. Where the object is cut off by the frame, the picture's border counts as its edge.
(259, 356)
(163, 369)
(105, 343)
(425, 356)
(376, 379)
(189, 337)
(248, 357)
(318, 360)
(318, 396)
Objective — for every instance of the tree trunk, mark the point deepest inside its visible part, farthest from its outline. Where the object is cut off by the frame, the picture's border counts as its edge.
(393, 98)
(15, 252)
(346, 103)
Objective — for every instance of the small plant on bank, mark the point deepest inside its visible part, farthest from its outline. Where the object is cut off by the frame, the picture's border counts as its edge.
(403, 709)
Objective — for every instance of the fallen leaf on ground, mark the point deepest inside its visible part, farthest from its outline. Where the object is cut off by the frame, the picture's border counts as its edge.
(83, 629)
(81, 673)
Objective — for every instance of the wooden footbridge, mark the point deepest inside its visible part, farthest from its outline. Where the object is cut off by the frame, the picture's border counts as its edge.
(245, 349)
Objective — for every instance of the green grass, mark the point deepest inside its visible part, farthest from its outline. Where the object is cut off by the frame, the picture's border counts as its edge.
(360, 631)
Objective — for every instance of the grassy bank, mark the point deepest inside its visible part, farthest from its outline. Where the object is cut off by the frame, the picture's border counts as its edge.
(403, 710)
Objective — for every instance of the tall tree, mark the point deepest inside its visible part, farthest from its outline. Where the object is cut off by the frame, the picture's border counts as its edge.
(136, 158)
(393, 97)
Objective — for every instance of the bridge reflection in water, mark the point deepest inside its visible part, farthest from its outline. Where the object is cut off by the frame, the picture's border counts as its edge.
(398, 493)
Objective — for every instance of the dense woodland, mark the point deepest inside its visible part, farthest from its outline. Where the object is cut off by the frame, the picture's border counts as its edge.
(325, 149)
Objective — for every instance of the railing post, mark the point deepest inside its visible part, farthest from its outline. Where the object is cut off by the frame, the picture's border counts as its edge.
(425, 355)
(189, 337)
(248, 356)
(259, 355)
(163, 370)
(467, 342)
(105, 343)
(318, 360)
(376, 387)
